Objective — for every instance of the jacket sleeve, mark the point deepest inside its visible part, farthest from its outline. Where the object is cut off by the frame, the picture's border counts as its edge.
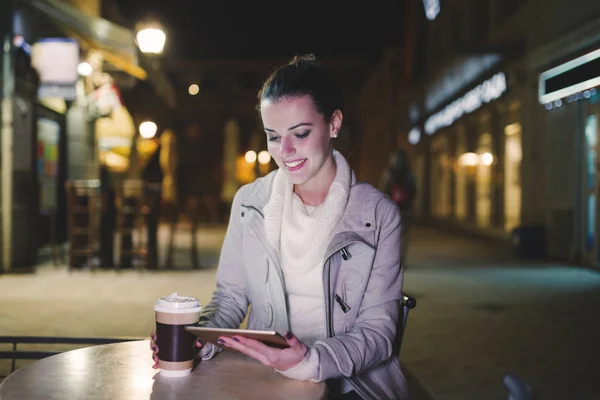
(371, 339)
(229, 303)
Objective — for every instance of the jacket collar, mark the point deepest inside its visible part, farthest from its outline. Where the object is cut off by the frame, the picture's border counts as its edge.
(357, 224)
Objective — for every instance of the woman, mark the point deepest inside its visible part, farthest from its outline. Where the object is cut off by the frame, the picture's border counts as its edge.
(315, 253)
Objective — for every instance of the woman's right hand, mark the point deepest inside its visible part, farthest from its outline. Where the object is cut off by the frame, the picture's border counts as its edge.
(199, 344)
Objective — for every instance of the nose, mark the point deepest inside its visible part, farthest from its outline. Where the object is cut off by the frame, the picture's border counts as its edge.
(287, 146)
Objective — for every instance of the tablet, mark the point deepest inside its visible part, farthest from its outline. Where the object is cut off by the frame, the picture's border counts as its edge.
(270, 338)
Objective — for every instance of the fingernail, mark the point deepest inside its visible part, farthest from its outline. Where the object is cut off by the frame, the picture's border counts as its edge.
(289, 335)
(220, 341)
(236, 339)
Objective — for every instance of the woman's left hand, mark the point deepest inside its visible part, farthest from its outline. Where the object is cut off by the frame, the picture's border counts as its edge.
(280, 359)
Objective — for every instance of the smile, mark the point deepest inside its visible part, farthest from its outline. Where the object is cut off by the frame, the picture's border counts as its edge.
(294, 165)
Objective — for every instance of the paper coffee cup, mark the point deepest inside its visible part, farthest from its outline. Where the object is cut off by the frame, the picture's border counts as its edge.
(175, 344)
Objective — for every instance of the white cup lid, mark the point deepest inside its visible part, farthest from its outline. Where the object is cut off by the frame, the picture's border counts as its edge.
(177, 302)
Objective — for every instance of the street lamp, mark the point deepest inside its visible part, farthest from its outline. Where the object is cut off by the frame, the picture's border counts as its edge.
(148, 129)
(264, 157)
(151, 40)
(193, 89)
(250, 156)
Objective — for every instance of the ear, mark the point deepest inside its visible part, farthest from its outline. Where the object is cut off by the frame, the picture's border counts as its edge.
(335, 124)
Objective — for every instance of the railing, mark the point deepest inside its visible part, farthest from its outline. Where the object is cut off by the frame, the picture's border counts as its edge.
(15, 353)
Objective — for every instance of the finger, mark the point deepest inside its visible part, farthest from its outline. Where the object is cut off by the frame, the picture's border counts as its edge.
(153, 336)
(296, 345)
(250, 347)
(292, 340)
(199, 343)
(155, 366)
(155, 358)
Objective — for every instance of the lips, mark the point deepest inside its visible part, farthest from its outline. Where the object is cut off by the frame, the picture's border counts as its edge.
(294, 165)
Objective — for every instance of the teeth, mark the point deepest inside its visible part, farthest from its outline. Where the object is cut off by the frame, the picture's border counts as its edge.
(294, 164)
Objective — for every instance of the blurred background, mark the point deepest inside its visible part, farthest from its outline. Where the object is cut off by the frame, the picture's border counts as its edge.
(124, 121)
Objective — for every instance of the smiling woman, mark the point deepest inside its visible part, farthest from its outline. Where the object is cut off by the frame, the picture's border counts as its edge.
(313, 254)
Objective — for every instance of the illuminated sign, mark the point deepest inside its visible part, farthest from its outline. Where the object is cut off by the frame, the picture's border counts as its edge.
(432, 8)
(489, 90)
(572, 77)
(56, 60)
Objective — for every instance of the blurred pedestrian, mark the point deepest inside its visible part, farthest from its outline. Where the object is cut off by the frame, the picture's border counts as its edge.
(400, 185)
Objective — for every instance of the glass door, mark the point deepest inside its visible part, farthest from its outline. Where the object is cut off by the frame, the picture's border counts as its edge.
(483, 181)
(590, 186)
(460, 191)
(512, 176)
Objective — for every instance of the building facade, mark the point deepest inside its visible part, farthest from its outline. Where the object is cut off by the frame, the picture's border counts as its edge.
(504, 120)
(57, 56)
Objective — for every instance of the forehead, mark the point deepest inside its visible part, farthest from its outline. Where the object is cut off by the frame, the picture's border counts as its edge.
(288, 111)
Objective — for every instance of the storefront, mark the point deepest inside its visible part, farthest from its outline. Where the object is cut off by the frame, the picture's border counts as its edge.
(57, 109)
(469, 160)
(569, 105)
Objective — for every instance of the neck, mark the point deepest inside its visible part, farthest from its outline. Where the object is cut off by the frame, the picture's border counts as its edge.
(314, 192)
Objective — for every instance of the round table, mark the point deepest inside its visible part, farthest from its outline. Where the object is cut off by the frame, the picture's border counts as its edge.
(123, 371)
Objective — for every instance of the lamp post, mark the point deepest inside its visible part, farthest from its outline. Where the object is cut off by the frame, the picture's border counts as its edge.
(151, 39)
(148, 129)
(7, 151)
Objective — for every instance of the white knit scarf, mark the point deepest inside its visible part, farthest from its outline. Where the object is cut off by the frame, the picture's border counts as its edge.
(301, 234)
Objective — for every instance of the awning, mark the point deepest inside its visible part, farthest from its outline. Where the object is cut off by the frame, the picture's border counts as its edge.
(116, 43)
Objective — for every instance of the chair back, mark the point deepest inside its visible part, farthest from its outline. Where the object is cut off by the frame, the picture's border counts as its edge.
(408, 303)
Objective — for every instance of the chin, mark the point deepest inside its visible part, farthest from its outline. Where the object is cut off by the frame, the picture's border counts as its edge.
(296, 179)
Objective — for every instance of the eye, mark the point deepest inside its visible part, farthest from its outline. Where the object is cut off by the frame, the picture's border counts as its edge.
(273, 138)
(302, 135)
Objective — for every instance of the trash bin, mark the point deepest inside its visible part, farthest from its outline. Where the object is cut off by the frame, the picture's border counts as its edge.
(529, 241)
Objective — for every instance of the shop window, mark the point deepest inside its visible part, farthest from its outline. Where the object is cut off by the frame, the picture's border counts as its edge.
(483, 181)
(591, 140)
(512, 176)
(461, 171)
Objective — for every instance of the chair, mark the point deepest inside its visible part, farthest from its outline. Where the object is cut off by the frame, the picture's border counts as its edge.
(408, 303)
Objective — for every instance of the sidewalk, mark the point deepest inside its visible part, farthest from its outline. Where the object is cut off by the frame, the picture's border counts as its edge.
(480, 313)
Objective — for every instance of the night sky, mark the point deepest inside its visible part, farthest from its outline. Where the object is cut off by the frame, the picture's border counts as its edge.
(265, 29)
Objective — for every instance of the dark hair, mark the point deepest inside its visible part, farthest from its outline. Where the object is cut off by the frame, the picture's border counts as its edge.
(304, 76)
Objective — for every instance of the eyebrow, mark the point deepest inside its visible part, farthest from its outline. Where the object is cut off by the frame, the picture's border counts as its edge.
(291, 127)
